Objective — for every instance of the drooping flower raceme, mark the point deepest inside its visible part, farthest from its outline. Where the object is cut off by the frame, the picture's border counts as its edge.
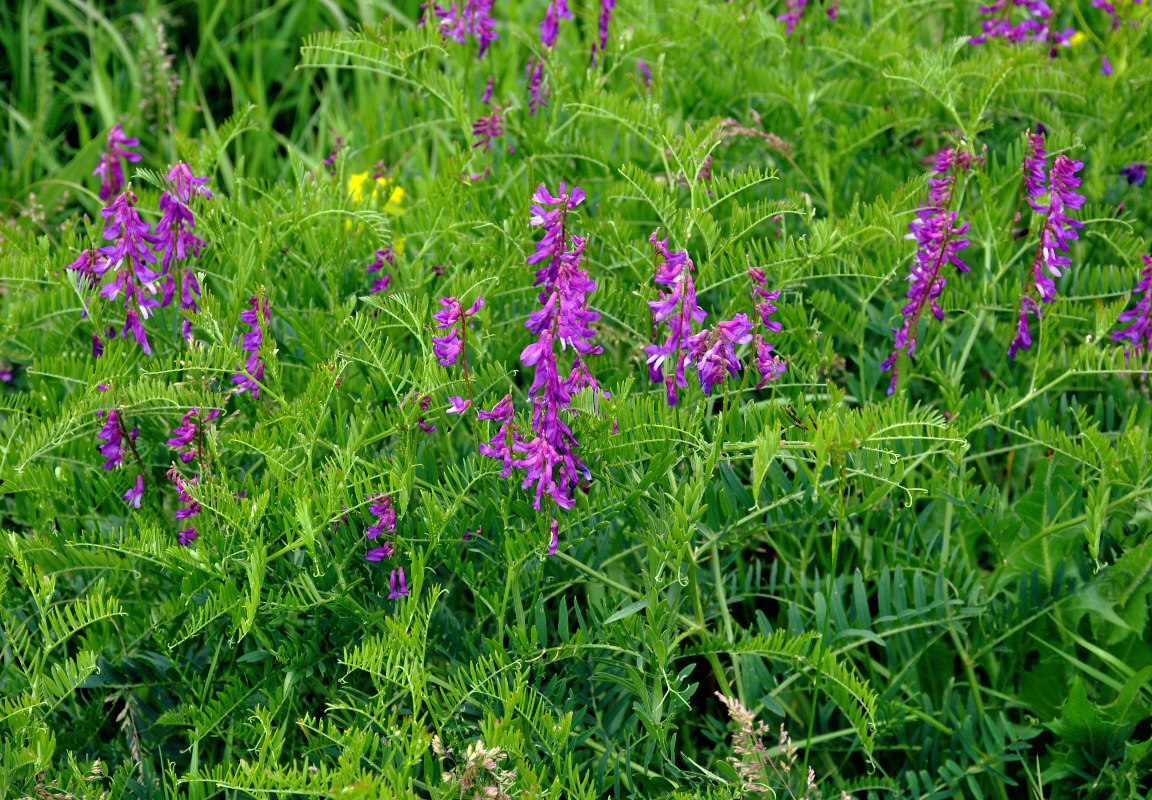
(938, 242)
(110, 169)
(452, 318)
(1138, 334)
(1057, 230)
(678, 310)
(768, 364)
(113, 435)
(606, 9)
(502, 445)
(534, 75)
(549, 459)
(485, 129)
(380, 284)
(1037, 26)
(395, 593)
(188, 437)
(381, 508)
(469, 18)
(550, 27)
(247, 378)
(176, 240)
(189, 511)
(792, 16)
(129, 254)
(714, 351)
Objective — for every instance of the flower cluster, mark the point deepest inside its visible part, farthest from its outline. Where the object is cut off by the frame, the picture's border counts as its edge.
(792, 16)
(130, 253)
(113, 435)
(549, 458)
(768, 364)
(175, 239)
(452, 318)
(534, 75)
(188, 437)
(110, 169)
(338, 144)
(247, 378)
(502, 445)
(485, 129)
(550, 27)
(1139, 333)
(606, 9)
(380, 283)
(469, 18)
(189, 511)
(1037, 26)
(1057, 231)
(714, 351)
(938, 242)
(1135, 173)
(678, 310)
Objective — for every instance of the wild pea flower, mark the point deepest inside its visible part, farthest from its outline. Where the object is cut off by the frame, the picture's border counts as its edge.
(678, 310)
(534, 75)
(606, 8)
(453, 318)
(487, 96)
(1105, 66)
(1036, 27)
(1058, 230)
(1135, 173)
(1108, 9)
(129, 254)
(191, 429)
(1139, 333)
(549, 459)
(393, 593)
(113, 435)
(248, 377)
(938, 242)
(485, 129)
(381, 284)
(554, 243)
(425, 403)
(190, 511)
(376, 554)
(90, 267)
(457, 405)
(554, 541)
(792, 16)
(714, 351)
(645, 73)
(768, 364)
(502, 445)
(133, 496)
(110, 169)
(469, 18)
(833, 10)
(381, 508)
(550, 27)
(176, 240)
(337, 146)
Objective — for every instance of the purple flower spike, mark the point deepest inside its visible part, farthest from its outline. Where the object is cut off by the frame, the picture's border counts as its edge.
(376, 554)
(678, 310)
(534, 75)
(469, 18)
(189, 511)
(502, 445)
(110, 169)
(393, 592)
(247, 379)
(452, 318)
(1139, 333)
(381, 508)
(1135, 173)
(1035, 27)
(485, 129)
(938, 241)
(113, 447)
(1035, 166)
(187, 436)
(792, 17)
(645, 73)
(550, 27)
(487, 96)
(133, 496)
(714, 351)
(1105, 66)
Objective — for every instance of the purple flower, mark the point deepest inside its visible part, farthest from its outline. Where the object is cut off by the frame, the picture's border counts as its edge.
(112, 434)
(1035, 27)
(606, 8)
(337, 146)
(97, 346)
(485, 129)
(768, 364)
(174, 230)
(554, 541)
(678, 310)
(190, 511)
(468, 534)
(186, 184)
(1108, 9)
(534, 75)
(1105, 66)
(714, 351)
(381, 508)
(1057, 231)
(938, 242)
(645, 73)
(376, 554)
(393, 593)
(247, 379)
(487, 96)
(554, 243)
(1135, 173)
(129, 254)
(191, 428)
(793, 15)
(457, 405)
(453, 319)
(502, 445)
(90, 267)
(550, 27)
(381, 284)
(833, 10)
(110, 170)
(1034, 167)
(132, 496)
(1139, 333)
(470, 18)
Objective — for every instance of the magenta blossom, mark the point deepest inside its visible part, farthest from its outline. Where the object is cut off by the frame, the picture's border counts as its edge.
(1138, 334)
(110, 169)
(452, 318)
(381, 508)
(189, 434)
(393, 593)
(247, 378)
(467, 18)
(457, 405)
(678, 310)
(129, 254)
(133, 496)
(550, 27)
(502, 445)
(534, 75)
(714, 351)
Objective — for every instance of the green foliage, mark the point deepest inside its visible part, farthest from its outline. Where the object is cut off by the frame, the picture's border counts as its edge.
(941, 593)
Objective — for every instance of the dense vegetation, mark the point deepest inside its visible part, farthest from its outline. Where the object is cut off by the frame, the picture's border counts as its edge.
(837, 481)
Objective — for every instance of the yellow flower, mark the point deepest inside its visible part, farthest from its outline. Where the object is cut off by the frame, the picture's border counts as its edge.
(356, 186)
(394, 201)
(1077, 38)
